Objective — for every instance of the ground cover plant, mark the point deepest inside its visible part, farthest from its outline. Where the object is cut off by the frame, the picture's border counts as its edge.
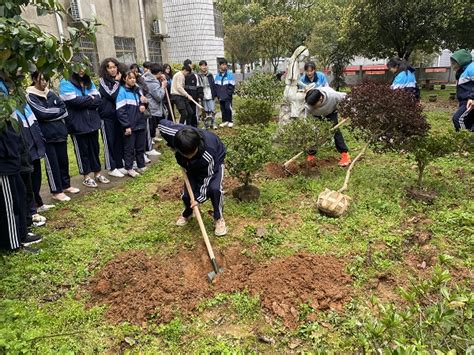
(393, 275)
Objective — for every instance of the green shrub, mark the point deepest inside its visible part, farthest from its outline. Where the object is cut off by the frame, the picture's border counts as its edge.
(247, 152)
(253, 111)
(262, 86)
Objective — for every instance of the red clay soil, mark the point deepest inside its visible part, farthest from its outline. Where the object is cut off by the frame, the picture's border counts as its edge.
(170, 191)
(137, 286)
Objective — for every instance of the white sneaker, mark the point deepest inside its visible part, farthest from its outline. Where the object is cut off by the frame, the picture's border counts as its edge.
(142, 170)
(38, 218)
(221, 228)
(123, 171)
(45, 208)
(133, 173)
(182, 221)
(61, 197)
(224, 124)
(230, 125)
(116, 173)
(72, 190)
(153, 152)
(147, 161)
(102, 179)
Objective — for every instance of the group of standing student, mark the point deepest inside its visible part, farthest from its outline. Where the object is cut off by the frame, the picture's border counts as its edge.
(188, 88)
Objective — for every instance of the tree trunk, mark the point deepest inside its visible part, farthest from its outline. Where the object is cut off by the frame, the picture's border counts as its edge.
(421, 170)
(242, 70)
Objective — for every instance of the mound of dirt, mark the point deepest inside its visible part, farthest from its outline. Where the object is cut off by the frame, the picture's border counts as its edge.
(170, 191)
(137, 286)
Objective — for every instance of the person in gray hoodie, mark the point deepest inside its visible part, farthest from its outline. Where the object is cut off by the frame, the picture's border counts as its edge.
(156, 96)
(322, 102)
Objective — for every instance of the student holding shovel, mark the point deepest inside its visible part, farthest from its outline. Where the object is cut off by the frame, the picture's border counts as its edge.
(201, 154)
(322, 102)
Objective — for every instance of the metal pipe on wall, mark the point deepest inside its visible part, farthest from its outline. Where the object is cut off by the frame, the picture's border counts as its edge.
(142, 25)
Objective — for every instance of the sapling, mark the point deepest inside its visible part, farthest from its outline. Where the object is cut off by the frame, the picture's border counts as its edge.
(386, 119)
(305, 134)
(247, 152)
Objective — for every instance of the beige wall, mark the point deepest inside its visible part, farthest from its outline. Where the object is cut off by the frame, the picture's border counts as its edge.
(118, 18)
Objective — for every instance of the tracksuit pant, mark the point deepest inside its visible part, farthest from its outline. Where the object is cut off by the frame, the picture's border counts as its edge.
(148, 134)
(188, 116)
(86, 147)
(36, 184)
(213, 192)
(134, 149)
(12, 211)
(466, 122)
(57, 167)
(29, 198)
(338, 137)
(226, 109)
(112, 137)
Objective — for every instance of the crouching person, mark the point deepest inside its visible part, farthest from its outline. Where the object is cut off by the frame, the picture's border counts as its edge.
(201, 154)
(131, 105)
(322, 102)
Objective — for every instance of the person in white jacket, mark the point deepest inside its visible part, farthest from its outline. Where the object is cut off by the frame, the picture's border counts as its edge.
(322, 103)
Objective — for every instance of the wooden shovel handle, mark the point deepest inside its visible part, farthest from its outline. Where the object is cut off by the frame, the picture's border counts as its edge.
(170, 106)
(198, 217)
(202, 108)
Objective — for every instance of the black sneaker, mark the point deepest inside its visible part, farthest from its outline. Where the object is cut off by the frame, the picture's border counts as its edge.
(30, 239)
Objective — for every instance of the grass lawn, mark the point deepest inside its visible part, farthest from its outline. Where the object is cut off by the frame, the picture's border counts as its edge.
(410, 263)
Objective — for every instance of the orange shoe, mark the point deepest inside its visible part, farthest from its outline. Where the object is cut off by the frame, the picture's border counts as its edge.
(310, 157)
(345, 159)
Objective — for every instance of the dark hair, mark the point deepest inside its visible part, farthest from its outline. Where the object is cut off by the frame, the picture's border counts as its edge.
(36, 75)
(187, 62)
(155, 68)
(400, 64)
(202, 62)
(309, 65)
(186, 140)
(103, 66)
(125, 74)
(166, 66)
(312, 97)
(187, 67)
(223, 61)
(147, 64)
(134, 66)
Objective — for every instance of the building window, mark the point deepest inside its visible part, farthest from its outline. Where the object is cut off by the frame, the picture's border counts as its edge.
(154, 50)
(218, 23)
(125, 49)
(88, 49)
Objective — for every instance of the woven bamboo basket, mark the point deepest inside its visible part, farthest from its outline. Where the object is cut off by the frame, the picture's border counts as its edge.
(333, 203)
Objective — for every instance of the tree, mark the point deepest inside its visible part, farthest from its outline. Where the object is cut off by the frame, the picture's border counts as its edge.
(24, 45)
(240, 43)
(386, 119)
(274, 38)
(246, 154)
(381, 29)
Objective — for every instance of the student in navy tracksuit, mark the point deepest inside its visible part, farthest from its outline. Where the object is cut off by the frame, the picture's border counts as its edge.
(35, 145)
(404, 76)
(13, 206)
(83, 122)
(131, 106)
(462, 62)
(112, 132)
(201, 154)
(225, 87)
(50, 111)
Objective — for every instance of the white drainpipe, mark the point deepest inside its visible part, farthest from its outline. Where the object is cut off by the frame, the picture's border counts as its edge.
(142, 25)
(59, 23)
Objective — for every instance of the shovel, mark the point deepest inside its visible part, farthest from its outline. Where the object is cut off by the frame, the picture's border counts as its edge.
(170, 106)
(216, 269)
(291, 160)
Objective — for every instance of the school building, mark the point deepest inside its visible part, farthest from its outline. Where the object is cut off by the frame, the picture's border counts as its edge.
(163, 31)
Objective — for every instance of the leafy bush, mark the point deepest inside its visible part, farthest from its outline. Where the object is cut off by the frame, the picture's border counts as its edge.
(247, 152)
(387, 119)
(433, 320)
(251, 111)
(426, 149)
(262, 86)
